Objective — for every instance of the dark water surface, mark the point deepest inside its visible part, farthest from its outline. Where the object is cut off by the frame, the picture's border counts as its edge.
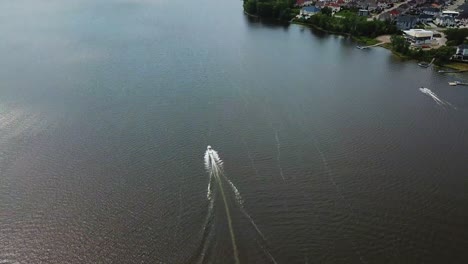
(106, 109)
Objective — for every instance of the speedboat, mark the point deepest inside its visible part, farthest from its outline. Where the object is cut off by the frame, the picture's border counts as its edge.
(424, 64)
(209, 149)
(455, 83)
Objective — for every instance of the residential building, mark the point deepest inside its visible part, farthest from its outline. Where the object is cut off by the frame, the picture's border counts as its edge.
(450, 13)
(425, 18)
(445, 21)
(363, 12)
(405, 22)
(382, 5)
(419, 37)
(431, 11)
(334, 7)
(462, 53)
(309, 11)
(394, 13)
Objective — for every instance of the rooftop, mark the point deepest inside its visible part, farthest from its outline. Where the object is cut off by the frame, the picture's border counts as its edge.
(419, 33)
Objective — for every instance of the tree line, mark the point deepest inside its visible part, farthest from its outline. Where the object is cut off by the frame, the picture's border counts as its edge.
(351, 23)
(441, 54)
(276, 9)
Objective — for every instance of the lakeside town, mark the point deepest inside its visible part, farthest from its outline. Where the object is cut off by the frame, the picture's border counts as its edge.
(422, 23)
(423, 30)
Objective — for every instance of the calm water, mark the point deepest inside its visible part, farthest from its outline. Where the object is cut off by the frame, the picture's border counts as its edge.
(106, 109)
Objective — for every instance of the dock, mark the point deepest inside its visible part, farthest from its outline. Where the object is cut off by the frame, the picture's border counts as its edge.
(455, 83)
(370, 46)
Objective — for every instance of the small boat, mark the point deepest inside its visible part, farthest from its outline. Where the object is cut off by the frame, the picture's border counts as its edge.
(424, 64)
(455, 83)
(361, 47)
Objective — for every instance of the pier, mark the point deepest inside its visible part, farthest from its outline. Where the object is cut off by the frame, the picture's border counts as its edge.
(370, 46)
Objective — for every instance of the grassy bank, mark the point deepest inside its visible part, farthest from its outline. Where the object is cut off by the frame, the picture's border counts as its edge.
(457, 66)
(365, 40)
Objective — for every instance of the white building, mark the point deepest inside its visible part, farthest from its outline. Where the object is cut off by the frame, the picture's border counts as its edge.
(419, 36)
(450, 13)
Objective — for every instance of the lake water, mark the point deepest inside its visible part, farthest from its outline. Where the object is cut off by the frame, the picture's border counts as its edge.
(106, 109)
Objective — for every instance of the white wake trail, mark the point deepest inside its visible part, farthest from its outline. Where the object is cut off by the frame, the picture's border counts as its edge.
(213, 163)
(436, 98)
(278, 155)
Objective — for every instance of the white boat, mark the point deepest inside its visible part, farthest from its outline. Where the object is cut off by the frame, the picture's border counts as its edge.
(424, 64)
(455, 83)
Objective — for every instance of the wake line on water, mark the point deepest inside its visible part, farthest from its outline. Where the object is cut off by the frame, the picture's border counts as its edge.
(434, 97)
(278, 155)
(214, 166)
(340, 193)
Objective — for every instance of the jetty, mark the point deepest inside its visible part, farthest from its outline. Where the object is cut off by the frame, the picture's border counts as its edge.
(370, 46)
(452, 71)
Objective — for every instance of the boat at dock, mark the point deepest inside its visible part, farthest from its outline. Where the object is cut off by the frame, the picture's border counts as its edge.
(424, 64)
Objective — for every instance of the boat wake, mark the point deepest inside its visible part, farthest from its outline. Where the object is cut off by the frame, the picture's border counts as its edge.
(278, 155)
(434, 97)
(214, 167)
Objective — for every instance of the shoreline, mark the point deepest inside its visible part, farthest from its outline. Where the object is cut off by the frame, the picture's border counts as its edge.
(369, 41)
(251, 15)
(452, 65)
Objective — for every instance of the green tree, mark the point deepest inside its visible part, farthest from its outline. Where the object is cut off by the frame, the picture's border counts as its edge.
(456, 36)
(326, 11)
(250, 6)
(443, 54)
(399, 44)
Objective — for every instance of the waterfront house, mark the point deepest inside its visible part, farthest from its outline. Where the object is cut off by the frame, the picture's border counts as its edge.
(309, 10)
(405, 22)
(462, 53)
(445, 21)
(419, 37)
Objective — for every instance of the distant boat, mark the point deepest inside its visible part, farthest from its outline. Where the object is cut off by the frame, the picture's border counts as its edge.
(448, 71)
(455, 83)
(361, 47)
